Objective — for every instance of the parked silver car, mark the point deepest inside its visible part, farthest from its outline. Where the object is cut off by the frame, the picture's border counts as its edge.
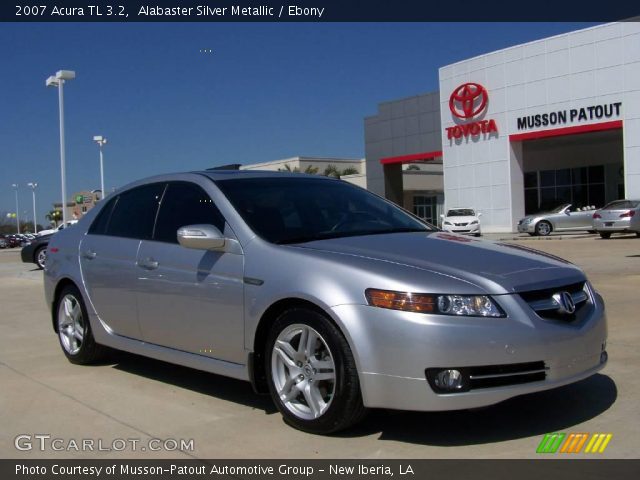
(320, 293)
(620, 216)
(565, 218)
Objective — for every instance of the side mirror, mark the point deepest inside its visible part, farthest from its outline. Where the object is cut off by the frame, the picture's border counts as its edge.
(479, 214)
(201, 237)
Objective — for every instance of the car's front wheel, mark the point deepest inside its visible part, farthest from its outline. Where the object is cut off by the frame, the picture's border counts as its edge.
(40, 257)
(74, 329)
(312, 374)
(543, 228)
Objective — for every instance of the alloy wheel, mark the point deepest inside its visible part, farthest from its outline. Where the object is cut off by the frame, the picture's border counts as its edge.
(303, 371)
(71, 326)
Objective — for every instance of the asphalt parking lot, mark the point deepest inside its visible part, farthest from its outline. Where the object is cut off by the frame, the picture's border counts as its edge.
(136, 398)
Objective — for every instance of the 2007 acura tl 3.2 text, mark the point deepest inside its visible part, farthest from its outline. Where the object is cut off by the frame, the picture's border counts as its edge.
(328, 297)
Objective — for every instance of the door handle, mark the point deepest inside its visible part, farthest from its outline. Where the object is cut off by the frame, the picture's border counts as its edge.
(148, 264)
(89, 254)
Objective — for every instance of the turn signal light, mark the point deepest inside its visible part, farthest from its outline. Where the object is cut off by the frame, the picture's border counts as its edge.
(597, 215)
(628, 214)
(408, 302)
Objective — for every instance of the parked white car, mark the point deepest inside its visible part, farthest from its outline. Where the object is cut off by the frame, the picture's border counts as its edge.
(462, 220)
(58, 228)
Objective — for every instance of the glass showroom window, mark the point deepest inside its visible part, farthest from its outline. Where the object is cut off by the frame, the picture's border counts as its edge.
(547, 189)
(426, 208)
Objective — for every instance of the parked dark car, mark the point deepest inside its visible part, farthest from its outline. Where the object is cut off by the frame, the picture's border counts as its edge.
(12, 241)
(36, 251)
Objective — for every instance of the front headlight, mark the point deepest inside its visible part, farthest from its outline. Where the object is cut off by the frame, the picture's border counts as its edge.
(457, 305)
(527, 220)
(475, 222)
(447, 223)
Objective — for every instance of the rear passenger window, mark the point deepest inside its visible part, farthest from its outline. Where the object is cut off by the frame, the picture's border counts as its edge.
(135, 212)
(185, 204)
(99, 225)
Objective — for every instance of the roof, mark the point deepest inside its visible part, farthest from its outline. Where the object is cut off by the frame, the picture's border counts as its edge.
(236, 174)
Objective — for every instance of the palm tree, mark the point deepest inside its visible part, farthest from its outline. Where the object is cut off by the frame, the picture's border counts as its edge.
(54, 216)
(311, 170)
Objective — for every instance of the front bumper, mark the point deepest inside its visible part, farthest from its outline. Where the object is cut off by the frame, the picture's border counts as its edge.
(466, 229)
(526, 228)
(393, 349)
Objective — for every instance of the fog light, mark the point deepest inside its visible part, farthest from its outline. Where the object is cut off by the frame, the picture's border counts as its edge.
(449, 380)
(604, 357)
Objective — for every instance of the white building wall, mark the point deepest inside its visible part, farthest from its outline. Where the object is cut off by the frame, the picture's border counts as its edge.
(598, 65)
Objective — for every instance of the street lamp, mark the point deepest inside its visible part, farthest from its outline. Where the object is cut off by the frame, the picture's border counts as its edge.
(101, 141)
(15, 185)
(33, 186)
(58, 80)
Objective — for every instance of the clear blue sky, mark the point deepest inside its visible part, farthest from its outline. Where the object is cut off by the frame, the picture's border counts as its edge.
(266, 91)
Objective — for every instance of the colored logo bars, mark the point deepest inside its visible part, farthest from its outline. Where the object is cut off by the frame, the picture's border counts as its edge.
(574, 443)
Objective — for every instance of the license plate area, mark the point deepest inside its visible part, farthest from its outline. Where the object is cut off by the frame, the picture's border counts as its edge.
(608, 224)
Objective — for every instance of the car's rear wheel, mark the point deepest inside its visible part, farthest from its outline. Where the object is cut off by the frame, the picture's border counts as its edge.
(40, 257)
(74, 329)
(543, 228)
(312, 374)
(605, 235)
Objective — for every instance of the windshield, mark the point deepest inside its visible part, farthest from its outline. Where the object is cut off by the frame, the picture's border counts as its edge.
(296, 210)
(621, 205)
(560, 208)
(461, 212)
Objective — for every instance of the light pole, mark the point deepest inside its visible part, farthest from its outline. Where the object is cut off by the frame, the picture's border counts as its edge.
(101, 141)
(15, 185)
(33, 186)
(58, 80)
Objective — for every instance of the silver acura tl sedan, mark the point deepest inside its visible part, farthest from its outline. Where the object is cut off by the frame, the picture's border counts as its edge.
(320, 293)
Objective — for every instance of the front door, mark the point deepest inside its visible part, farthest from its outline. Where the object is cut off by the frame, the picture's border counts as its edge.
(190, 300)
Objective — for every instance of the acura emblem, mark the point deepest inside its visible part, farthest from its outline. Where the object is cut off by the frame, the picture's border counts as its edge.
(565, 302)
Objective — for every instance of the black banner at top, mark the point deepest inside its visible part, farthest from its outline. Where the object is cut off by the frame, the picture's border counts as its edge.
(315, 11)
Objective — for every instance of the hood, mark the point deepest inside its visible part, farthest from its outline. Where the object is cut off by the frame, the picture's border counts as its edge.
(495, 267)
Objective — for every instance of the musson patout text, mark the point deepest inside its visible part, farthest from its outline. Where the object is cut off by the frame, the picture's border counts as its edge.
(96, 471)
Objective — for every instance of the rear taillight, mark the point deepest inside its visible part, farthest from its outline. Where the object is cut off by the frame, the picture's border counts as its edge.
(628, 214)
(597, 215)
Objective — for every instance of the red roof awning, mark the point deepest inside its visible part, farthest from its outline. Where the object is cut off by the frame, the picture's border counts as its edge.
(414, 157)
(559, 132)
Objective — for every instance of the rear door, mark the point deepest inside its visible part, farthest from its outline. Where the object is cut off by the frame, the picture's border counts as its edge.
(108, 256)
(190, 300)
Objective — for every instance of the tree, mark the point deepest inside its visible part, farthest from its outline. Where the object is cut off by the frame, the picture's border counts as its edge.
(311, 170)
(54, 216)
(413, 167)
(333, 171)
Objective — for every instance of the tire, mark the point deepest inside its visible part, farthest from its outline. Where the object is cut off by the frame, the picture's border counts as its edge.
(40, 257)
(605, 235)
(323, 388)
(543, 228)
(74, 329)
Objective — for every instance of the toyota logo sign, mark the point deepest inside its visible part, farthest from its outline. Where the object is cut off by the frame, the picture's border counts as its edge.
(468, 100)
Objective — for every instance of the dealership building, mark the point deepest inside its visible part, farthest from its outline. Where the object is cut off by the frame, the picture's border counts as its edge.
(518, 130)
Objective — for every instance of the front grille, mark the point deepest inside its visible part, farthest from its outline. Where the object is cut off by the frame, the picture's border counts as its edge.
(461, 224)
(548, 307)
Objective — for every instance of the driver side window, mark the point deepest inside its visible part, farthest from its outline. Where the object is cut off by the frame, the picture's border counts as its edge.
(185, 204)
